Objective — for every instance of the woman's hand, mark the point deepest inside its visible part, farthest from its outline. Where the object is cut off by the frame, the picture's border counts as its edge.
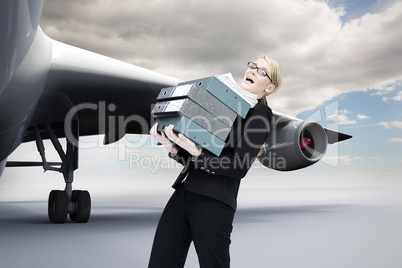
(166, 142)
(182, 141)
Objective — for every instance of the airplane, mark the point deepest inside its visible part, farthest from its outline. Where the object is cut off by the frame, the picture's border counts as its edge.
(51, 90)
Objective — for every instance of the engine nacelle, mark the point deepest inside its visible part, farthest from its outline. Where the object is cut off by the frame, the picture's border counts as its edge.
(293, 145)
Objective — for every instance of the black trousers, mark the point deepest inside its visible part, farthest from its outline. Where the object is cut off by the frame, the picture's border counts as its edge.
(191, 217)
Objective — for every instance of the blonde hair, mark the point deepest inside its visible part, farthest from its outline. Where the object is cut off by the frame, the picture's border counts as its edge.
(276, 76)
(276, 72)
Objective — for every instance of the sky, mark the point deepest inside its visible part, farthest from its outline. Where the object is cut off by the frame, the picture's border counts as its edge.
(339, 56)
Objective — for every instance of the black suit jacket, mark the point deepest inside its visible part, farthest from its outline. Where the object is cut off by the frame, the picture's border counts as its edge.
(219, 177)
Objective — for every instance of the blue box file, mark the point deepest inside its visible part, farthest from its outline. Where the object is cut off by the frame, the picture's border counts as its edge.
(223, 93)
(194, 112)
(203, 98)
(192, 131)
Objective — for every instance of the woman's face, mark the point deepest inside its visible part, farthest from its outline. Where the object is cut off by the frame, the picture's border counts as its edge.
(255, 83)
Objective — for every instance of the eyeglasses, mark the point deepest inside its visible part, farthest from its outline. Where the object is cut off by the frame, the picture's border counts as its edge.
(260, 71)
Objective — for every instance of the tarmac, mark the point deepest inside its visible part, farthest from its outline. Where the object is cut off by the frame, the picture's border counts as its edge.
(279, 223)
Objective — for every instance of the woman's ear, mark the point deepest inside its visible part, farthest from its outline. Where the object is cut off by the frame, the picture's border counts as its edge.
(270, 89)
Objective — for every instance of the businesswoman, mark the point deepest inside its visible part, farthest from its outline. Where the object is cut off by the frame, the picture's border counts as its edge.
(203, 205)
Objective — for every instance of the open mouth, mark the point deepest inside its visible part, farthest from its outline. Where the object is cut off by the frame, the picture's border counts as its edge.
(248, 78)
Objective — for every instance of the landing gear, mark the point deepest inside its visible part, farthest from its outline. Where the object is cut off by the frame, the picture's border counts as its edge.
(75, 203)
(58, 206)
(82, 202)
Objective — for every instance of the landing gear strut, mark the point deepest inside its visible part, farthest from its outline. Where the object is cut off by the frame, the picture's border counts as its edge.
(75, 203)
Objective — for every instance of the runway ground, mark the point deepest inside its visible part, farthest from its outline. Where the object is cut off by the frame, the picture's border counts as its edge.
(280, 227)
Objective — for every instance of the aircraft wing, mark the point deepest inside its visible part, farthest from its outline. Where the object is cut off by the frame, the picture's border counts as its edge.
(107, 96)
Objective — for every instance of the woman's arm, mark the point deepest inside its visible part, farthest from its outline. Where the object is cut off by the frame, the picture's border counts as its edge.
(235, 162)
(165, 141)
(176, 152)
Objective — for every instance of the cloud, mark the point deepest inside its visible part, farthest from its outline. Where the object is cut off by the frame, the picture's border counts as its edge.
(397, 97)
(395, 140)
(376, 158)
(341, 117)
(344, 120)
(397, 124)
(387, 89)
(362, 117)
(344, 160)
(321, 57)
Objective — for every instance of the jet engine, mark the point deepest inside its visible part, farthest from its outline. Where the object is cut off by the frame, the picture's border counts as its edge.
(294, 144)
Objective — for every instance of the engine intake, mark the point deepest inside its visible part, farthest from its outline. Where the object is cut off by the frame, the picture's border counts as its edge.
(293, 145)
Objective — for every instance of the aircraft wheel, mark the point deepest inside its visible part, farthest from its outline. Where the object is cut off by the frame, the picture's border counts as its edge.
(82, 201)
(58, 206)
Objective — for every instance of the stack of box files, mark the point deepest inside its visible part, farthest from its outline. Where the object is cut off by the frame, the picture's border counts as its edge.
(203, 110)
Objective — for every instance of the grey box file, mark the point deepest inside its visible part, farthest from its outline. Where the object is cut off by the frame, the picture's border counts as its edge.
(203, 98)
(192, 131)
(195, 113)
(223, 93)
